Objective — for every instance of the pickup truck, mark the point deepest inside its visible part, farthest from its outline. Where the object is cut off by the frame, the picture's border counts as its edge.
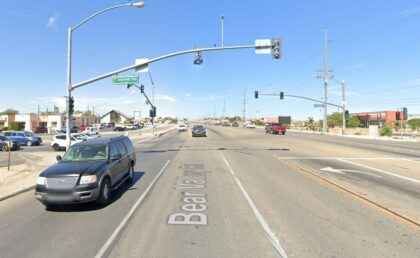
(275, 128)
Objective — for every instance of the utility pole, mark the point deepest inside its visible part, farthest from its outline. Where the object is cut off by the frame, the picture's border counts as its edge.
(222, 18)
(214, 112)
(244, 105)
(343, 92)
(325, 122)
(224, 109)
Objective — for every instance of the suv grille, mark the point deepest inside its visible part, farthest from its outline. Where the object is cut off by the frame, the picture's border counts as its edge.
(61, 182)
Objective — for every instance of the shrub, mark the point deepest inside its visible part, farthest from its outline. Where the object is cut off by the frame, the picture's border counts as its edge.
(386, 131)
(16, 126)
(260, 123)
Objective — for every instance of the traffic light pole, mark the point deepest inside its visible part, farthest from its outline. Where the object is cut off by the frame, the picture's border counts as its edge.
(152, 105)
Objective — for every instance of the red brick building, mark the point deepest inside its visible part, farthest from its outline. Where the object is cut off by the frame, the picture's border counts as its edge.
(377, 118)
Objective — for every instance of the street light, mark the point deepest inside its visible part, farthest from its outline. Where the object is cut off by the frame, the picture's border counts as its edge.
(69, 56)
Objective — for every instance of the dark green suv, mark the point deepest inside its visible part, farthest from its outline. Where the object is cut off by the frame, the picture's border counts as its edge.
(87, 172)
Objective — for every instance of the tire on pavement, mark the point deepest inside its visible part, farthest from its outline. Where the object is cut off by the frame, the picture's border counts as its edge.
(104, 193)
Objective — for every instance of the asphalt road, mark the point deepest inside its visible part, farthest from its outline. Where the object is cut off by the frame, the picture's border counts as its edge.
(238, 193)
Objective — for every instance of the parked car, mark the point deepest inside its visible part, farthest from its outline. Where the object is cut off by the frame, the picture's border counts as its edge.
(275, 128)
(199, 130)
(64, 130)
(132, 127)
(4, 144)
(82, 127)
(250, 126)
(59, 142)
(23, 137)
(182, 128)
(119, 128)
(40, 129)
(92, 130)
(235, 124)
(88, 172)
(225, 124)
(88, 136)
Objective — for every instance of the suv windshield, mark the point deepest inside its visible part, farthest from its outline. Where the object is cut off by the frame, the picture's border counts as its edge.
(29, 134)
(86, 152)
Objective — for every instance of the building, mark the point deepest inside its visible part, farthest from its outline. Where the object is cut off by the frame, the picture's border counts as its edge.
(379, 118)
(28, 121)
(5, 120)
(115, 117)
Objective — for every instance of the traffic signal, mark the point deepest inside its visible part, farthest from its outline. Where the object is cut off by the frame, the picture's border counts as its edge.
(276, 48)
(197, 58)
(129, 85)
(71, 105)
(142, 88)
(256, 94)
(152, 112)
(346, 114)
(281, 95)
(405, 113)
(398, 116)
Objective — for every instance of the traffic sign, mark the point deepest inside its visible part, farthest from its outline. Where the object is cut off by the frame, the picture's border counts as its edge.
(125, 80)
(263, 46)
(319, 105)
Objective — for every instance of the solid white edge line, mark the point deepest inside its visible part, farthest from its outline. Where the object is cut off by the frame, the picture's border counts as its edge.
(270, 235)
(381, 171)
(129, 214)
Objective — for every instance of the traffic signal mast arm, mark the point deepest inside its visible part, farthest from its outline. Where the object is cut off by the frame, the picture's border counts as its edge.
(141, 88)
(301, 97)
(142, 65)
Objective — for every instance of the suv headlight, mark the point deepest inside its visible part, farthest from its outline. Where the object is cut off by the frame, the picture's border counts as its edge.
(40, 180)
(88, 179)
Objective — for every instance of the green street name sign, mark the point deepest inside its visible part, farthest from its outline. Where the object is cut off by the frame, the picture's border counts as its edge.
(125, 80)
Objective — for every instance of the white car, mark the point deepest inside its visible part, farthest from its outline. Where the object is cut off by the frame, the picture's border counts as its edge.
(182, 128)
(92, 130)
(59, 142)
(251, 126)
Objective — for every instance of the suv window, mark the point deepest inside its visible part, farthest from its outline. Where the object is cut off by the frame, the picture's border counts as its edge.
(128, 144)
(113, 150)
(121, 147)
(60, 137)
(20, 134)
(7, 134)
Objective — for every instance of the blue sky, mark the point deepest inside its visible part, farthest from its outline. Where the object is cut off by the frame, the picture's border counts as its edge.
(374, 46)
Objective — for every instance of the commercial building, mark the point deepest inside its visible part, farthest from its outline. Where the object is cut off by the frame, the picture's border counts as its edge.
(115, 117)
(379, 118)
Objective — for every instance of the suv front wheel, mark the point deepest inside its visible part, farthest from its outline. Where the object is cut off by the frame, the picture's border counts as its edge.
(104, 193)
(29, 143)
(56, 147)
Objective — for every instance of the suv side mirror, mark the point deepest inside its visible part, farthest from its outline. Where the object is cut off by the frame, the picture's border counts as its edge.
(58, 157)
(116, 156)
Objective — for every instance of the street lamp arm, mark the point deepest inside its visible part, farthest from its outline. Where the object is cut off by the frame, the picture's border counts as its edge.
(99, 12)
(319, 101)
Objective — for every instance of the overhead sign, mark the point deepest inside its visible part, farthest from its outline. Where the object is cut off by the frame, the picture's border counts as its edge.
(142, 69)
(125, 80)
(319, 105)
(263, 46)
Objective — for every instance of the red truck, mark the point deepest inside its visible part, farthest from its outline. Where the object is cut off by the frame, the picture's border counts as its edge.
(275, 128)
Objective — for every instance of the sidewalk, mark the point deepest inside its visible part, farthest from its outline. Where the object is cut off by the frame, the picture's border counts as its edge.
(380, 138)
(22, 178)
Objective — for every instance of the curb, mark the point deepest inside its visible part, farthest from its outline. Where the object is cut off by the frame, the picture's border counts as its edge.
(25, 189)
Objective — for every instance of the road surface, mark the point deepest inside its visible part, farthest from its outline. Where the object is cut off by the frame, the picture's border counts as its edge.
(238, 193)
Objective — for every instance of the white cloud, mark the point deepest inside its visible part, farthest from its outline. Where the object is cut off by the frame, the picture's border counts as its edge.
(52, 21)
(411, 11)
(165, 97)
(188, 94)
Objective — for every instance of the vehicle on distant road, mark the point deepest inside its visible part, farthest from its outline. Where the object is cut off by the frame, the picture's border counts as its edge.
(225, 124)
(199, 130)
(4, 144)
(87, 172)
(23, 137)
(92, 130)
(40, 129)
(275, 128)
(59, 142)
(74, 129)
(250, 125)
(182, 128)
(235, 124)
(119, 128)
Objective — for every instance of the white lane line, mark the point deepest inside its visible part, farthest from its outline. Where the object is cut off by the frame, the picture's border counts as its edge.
(382, 171)
(270, 235)
(143, 140)
(129, 214)
(344, 158)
